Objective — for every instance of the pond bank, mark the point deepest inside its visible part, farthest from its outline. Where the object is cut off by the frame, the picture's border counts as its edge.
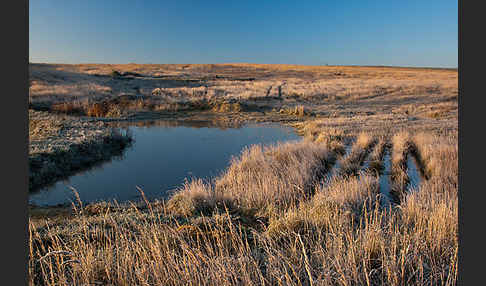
(62, 145)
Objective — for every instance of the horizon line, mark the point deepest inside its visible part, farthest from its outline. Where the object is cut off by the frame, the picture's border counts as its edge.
(250, 63)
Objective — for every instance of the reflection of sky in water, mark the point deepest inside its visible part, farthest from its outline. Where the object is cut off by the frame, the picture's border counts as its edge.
(413, 174)
(385, 179)
(160, 159)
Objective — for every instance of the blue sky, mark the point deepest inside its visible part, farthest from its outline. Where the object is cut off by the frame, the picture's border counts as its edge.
(351, 32)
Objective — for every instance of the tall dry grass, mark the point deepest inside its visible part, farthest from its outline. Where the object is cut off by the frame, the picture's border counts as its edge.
(280, 175)
(340, 235)
(433, 152)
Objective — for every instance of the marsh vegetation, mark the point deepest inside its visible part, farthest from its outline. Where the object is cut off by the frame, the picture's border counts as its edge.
(339, 207)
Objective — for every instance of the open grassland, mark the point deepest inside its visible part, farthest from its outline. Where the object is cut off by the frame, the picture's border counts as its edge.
(342, 96)
(310, 212)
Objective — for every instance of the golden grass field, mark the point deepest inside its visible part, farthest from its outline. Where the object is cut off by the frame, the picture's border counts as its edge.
(304, 213)
(347, 96)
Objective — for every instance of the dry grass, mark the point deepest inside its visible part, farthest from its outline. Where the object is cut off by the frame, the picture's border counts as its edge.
(399, 176)
(338, 236)
(283, 175)
(43, 128)
(351, 164)
(340, 96)
(271, 218)
(198, 197)
(46, 168)
(68, 108)
(432, 154)
(376, 157)
(227, 107)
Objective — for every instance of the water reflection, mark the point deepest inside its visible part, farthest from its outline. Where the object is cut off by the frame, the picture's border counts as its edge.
(220, 124)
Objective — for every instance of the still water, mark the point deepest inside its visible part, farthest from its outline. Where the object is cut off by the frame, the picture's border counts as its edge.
(162, 156)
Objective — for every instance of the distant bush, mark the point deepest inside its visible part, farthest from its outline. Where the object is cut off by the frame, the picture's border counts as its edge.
(299, 110)
(227, 107)
(67, 108)
(99, 109)
(116, 73)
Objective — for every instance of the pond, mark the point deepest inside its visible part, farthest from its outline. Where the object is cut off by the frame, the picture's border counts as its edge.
(162, 157)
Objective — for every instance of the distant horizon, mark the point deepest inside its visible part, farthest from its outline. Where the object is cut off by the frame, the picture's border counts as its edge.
(250, 63)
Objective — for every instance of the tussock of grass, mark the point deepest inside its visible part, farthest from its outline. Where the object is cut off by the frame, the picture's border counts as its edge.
(197, 197)
(433, 154)
(340, 200)
(115, 74)
(97, 109)
(332, 138)
(376, 164)
(352, 163)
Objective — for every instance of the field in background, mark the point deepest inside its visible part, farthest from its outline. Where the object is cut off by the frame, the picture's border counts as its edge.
(368, 197)
(404, 97)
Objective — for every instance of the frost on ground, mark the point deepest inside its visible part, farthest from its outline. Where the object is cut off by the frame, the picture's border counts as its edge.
(60, 145)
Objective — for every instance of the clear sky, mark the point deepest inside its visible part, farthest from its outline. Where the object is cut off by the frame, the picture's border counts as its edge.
(349, 32)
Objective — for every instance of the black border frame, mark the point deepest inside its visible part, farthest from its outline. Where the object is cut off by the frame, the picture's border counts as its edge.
(15, 122)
